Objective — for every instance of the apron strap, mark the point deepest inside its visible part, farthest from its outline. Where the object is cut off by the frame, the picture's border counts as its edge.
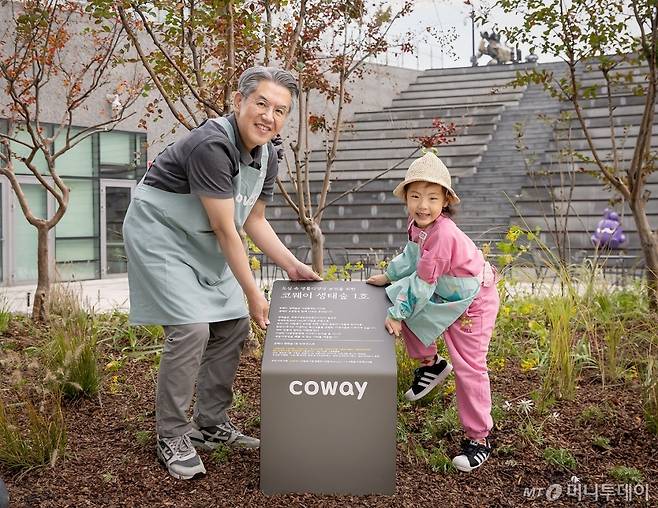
(223, 121)
(264, 153)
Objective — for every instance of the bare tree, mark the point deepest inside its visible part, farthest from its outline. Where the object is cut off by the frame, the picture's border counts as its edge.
(50, 50)
(619, 40)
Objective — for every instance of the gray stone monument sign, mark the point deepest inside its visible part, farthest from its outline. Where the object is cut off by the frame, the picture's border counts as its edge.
(328, 391)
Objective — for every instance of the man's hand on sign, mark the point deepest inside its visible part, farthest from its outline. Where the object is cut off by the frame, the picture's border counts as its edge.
(259, 309)
(300, 271)
(378, 280)
(393, 326)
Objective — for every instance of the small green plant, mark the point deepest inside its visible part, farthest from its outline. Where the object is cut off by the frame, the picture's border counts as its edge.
(439, 461)
(402, 429)
(239, 401)
(601, 442)
(29, 436)
(506, 450)
(613, 337)
(406, 367)
(628, 475)
(532, 432)
(221, 454)
(108, 478)
(139, 342)
(498, 413)
(441, 422)
(560, 376)
(650, 390)
(72, 357)
(5, 315)
(560, 458)
(144, 437)
(252, 422)
(592, 415)
(65, 301)
(435, 458)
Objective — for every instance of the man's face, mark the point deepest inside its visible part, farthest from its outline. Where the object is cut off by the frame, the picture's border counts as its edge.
(262, 114)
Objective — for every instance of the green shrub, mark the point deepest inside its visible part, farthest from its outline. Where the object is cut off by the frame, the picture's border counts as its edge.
(439, 461)
(72, 357)
(560, 376)
(601, 442)
(441, 422)
(31, 437)
(628, 475)
(650, 390)
(593, 415)
(560, 458)
(221, 454)
(5, 315)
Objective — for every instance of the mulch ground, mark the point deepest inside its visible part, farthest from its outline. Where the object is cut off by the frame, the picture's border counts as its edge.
(111, 461)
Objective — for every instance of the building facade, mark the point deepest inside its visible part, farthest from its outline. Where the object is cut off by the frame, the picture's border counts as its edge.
(101, 172)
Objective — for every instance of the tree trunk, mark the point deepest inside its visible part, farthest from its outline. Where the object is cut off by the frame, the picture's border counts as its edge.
(314, 233)
(649, 248)
(40, 307)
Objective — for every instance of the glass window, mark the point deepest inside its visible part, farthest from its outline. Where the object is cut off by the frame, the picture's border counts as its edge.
(23, 151)
(115, 148)
(77, 161)
(24, 242)
(79, 217)
(117, 200)
(142, 156)
(118, 155)
(76, 243)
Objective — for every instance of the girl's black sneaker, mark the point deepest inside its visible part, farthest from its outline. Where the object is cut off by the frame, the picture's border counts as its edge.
(426, 378)
(473, 455)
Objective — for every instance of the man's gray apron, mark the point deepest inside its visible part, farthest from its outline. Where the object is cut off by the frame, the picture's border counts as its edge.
(177, 273)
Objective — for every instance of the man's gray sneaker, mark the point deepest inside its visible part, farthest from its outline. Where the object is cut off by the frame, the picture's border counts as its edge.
(180, 457)
(209, 438)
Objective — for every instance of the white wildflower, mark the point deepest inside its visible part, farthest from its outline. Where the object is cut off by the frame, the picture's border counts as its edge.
(525, 405)
(506, 405)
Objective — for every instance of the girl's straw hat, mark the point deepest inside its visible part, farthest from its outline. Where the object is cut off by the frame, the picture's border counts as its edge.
(428, 168)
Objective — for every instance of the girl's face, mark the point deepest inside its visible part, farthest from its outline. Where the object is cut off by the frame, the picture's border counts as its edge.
(425, 201)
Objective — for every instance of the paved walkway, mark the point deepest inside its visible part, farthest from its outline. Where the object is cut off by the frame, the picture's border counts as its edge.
(103, 295)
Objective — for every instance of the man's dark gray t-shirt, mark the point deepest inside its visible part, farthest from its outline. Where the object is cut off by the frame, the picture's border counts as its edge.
(205, 161)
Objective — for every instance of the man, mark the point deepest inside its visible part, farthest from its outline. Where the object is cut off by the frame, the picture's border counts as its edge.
(188, 269)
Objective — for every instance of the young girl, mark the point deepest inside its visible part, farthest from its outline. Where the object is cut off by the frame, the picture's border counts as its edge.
(441, 284)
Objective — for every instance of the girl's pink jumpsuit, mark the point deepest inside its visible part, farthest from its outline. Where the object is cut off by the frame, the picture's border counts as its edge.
(446, 250)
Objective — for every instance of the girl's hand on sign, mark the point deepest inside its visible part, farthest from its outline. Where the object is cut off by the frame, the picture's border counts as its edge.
(393, 326)
(378, 280)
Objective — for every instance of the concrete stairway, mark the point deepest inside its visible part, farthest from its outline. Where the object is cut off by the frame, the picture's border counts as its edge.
(373, 220)
(490, 174)
(489, 195)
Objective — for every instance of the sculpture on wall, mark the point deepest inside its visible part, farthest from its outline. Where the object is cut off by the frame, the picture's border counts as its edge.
(490, 45)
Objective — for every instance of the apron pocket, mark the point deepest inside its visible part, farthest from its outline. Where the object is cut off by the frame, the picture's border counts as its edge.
(206, 258)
